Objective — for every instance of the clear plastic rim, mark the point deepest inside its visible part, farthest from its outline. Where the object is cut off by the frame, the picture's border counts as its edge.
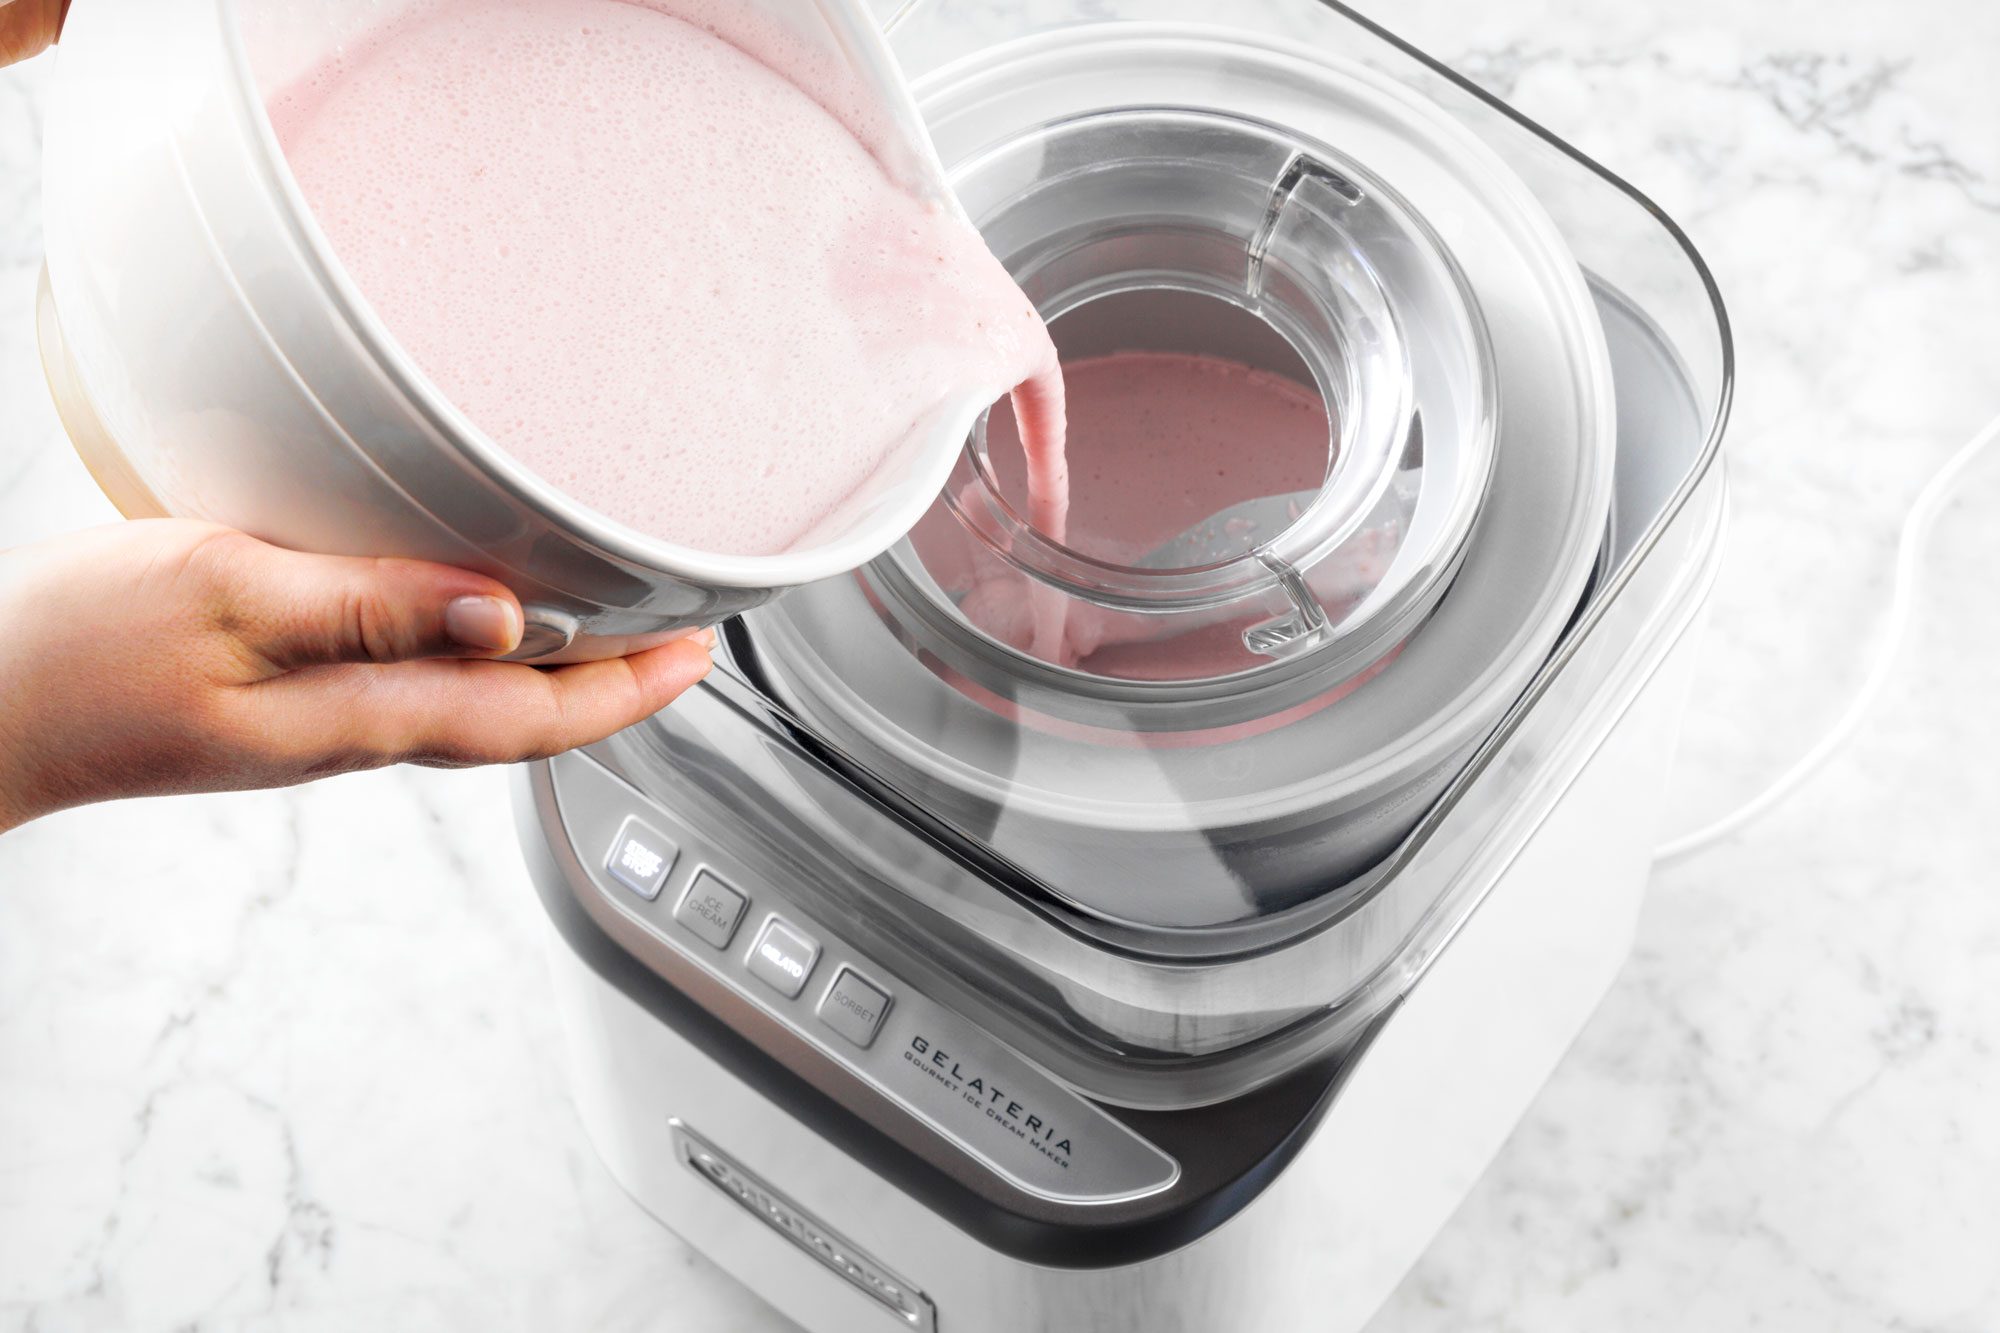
(1369, 425)
(1376, 431)
(1494, 691)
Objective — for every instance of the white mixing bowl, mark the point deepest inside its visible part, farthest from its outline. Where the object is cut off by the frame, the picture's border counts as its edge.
(212, 360)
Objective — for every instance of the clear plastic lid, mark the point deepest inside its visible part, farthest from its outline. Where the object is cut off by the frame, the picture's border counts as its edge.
(1230, 733)
(1253, 432)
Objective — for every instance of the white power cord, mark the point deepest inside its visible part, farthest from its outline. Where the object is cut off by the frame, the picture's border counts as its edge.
(1917, 527)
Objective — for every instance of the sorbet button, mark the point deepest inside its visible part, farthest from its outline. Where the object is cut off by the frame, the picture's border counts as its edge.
(640, 859)
(711, 909)
(854, 1007)
(783, 957)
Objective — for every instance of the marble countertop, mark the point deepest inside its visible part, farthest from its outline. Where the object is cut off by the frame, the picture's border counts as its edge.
(283, 1060)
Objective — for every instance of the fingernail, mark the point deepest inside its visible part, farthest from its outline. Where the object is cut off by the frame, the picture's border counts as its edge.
(483, 624)
(706, 638)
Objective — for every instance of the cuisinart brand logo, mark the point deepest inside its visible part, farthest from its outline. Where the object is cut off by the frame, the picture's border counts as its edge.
(979, 1089)
(910, 1307)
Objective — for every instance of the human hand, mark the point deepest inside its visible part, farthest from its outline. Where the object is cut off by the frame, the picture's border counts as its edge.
(28, 27)
(170, 656)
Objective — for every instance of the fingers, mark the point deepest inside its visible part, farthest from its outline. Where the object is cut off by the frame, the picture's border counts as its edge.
(27, 27)
(290, 610)
(471, 712)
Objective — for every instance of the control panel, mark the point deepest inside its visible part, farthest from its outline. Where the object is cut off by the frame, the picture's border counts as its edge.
(691, 896)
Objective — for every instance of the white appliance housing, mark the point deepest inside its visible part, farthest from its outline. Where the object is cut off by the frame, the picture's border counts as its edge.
(892, 1064)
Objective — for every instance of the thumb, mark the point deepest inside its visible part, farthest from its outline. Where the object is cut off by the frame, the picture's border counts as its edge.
(28, 26)
(295, 610)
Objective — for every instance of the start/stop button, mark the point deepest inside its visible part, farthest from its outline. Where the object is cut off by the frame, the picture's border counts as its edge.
(641, 858)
